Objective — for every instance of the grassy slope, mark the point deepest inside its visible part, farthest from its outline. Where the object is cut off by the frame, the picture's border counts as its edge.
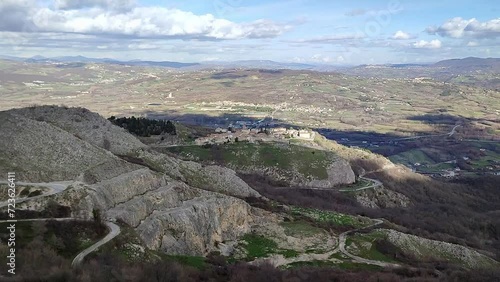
(308, 162)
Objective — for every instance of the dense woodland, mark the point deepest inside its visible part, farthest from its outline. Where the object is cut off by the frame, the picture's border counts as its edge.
(144, 127)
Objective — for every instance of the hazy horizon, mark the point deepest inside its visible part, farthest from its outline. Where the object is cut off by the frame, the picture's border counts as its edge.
(311, 32)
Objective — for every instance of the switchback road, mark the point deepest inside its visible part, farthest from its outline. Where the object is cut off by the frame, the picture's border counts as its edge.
(54, 188)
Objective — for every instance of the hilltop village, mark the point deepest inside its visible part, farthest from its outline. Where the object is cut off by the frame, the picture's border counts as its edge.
(242, 133)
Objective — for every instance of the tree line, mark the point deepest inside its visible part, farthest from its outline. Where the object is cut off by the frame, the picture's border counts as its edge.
(144, 127)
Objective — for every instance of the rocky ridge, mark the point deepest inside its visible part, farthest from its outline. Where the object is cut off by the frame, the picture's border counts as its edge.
(55, 143)
(422, 248)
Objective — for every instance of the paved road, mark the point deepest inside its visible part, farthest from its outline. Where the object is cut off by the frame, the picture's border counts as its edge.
(114, 231)
(58, 187)
(341, 247)
(37, 219)
(453, 131)
(375, 184)
(279, 260)
(54, 188)
(449, 134)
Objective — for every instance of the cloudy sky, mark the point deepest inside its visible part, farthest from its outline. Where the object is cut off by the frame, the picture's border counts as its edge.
(310, 31)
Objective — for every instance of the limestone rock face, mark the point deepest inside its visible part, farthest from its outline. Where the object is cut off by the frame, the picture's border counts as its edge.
(212, 178)
(40, 152)
(218, 179)
(170, 215)
(339, 172)
(86, 125)
(153, 193)
(423, 248)
(196, 226)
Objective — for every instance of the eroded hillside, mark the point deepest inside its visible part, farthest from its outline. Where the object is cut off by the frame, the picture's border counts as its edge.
(169, 207)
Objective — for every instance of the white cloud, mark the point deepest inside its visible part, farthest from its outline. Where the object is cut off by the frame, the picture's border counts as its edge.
(422, 44)
(142, 46)
(140, 22)
(338, 38)
(401, 35)
(459, 28)
(109, 4)
(321, 58)
(487, 29)
(472, 44)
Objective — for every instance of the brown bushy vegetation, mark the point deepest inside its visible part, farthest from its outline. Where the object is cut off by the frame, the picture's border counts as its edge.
(53, 210)
(47, 266)
(463, 212)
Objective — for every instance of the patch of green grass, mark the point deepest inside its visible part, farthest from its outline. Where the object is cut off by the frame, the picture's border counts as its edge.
(300, 228)
(371, 252)
(411, 157)
(285, 157)
(287, 253)
(258, 246)
(328, 216)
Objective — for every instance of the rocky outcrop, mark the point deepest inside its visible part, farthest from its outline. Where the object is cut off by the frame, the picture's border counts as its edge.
(170, 215)
(422, 248)
(339, 173)
(381, 197)
(107, 170)
(145, 190)
(40, 152)
(217, 179)
(85, 125)
(211, 178)
(196, 226)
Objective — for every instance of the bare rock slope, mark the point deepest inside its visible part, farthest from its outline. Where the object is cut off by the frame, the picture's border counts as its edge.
(38, 151)
(422, 248)
(155, 195)
(86, 125)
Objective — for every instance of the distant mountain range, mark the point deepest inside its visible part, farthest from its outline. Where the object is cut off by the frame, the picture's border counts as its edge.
(82, 59)
(456, 65)
(470, 62)
(482, 72)
(262, 64)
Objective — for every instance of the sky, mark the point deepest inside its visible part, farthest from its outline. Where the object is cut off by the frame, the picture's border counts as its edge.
(330, 32)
